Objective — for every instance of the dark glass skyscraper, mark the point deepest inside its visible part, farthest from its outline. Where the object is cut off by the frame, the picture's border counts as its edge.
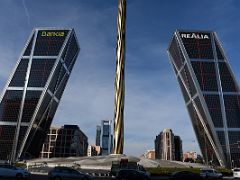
(33, 91)
(211, 94)
(106, 137)
(65, 141)
(178, 148)
(98, 135)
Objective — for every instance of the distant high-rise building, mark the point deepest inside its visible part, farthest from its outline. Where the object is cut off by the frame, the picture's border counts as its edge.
(91, 151)
(150, 154)
(106, 137)
(32, 93)
(158, 146)
(66, 141)
(98, 135)
(165, 145)
(178, 148)
(94, 150)
(211, 94)
(191, 156)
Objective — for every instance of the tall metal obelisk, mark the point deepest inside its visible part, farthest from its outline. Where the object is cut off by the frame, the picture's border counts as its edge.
(119, 80)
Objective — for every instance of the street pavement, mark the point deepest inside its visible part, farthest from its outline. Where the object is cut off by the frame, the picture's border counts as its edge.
(44, 177)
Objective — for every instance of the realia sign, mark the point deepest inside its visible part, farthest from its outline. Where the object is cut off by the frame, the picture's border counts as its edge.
(194, 36)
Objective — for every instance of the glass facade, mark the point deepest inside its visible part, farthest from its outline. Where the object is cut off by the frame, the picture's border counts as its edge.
(106, 137)
(18, 79)
(98, 135)
(211, 94)
(33, 92)
(66, 141)
(40, 70)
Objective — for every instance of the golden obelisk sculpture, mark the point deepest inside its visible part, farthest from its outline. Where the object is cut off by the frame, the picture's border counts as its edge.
(119, 80)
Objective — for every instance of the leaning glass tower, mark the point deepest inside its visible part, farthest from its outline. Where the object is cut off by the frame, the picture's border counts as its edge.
(211, 94)
(32, 93)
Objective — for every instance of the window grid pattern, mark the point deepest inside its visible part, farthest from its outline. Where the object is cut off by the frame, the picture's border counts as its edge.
(40, 70)
(198, 48)
(44, 105)
(227, 82)
(176, 53)
(31, 101)
(175, 70)
(72, 63)
(37, 138)
(205, 145)
(232, 107)
(29, 47)
(221, 137)
(72, 50)
(19, 76)
(234, 141)
(206, 75)
(213, 103)
(55, 78)
(48, 45)
(10, 105)
(60, 76)
(203, 115)
(203, 62)
(70, 142)
(62, 86)
(219, 53)
(41, 132)
(6, 140)
(188, 80)
(184, 91)
(56, 86)
(22, 133)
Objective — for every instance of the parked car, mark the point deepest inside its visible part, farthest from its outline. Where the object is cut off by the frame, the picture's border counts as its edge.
(62, 173)
(141, 168)
(186, 175)
(236, 172)
(210, 174)
(132, 174)
(7, 170)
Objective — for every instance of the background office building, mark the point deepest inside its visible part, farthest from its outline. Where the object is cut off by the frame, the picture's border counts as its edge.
(98, 135)
(149, 154)
(34, 89)
(106, 138)
(65, 141)
(50, 143)
(91, 151)
(191, 156)
(211, 94)
(94, 150)
(178, 148)
(165, 146)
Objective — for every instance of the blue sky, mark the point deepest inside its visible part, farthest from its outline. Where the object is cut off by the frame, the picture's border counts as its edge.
(153, 99)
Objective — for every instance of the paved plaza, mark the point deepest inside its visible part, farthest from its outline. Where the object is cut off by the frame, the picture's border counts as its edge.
(44, 177)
